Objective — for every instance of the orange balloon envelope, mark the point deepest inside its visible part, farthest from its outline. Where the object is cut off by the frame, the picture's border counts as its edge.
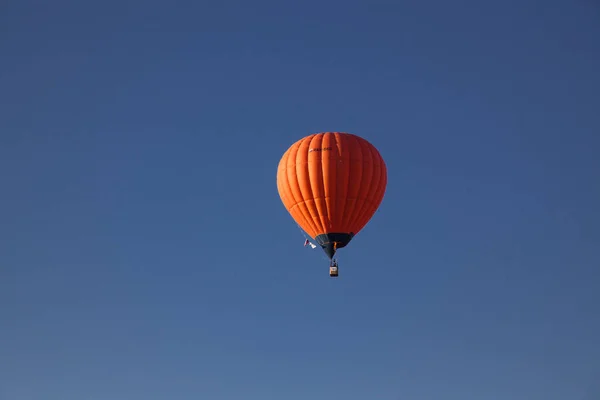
(332, 183)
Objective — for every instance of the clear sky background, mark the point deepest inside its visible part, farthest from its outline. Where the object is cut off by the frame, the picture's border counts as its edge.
(145, 253)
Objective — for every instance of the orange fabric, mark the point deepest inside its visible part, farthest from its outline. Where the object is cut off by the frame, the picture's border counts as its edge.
(331, 182)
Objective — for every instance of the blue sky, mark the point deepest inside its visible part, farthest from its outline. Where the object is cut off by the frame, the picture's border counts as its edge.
(144, 251)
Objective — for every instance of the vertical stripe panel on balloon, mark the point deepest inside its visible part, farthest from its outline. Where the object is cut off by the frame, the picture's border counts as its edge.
(329, 179)
(355, 182)
(316, 181)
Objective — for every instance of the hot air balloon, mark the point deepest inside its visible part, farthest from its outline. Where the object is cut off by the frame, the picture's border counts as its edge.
(332, 183)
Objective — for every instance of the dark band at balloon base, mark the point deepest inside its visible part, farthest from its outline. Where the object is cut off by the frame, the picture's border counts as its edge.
(330, 242)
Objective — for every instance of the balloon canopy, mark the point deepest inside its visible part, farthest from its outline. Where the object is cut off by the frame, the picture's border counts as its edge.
(332, 183)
